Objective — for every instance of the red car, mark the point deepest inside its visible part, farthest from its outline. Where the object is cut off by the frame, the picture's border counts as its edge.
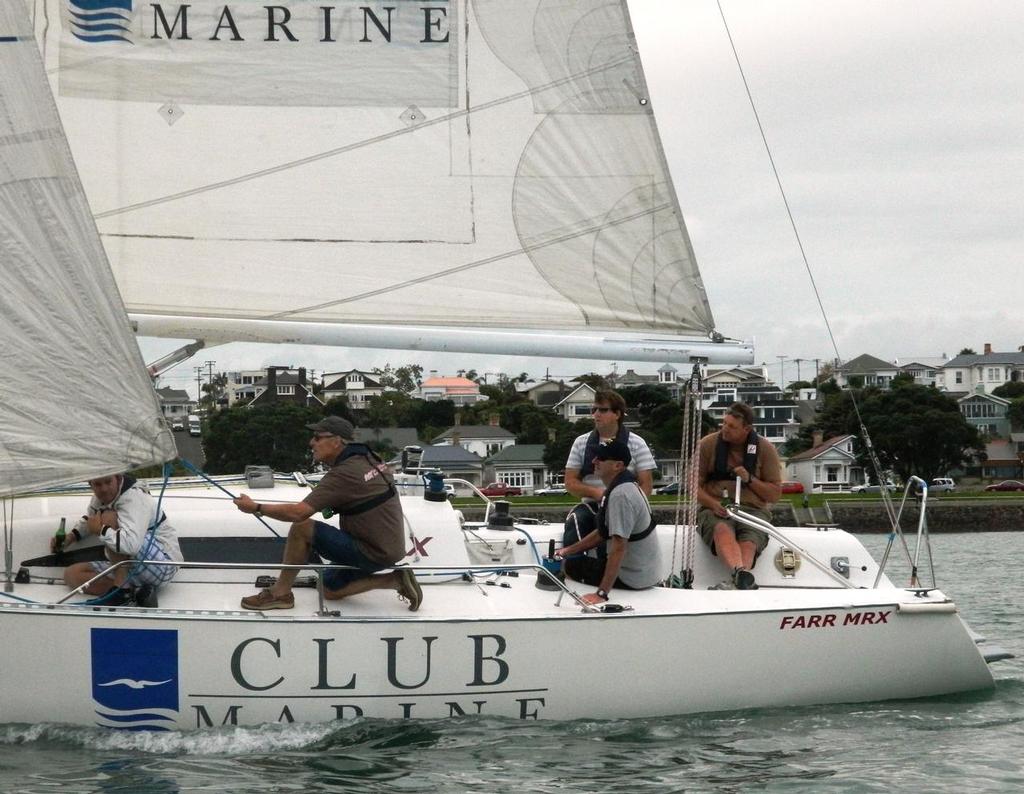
(1006, 485)
(501, 489)
(788, 486)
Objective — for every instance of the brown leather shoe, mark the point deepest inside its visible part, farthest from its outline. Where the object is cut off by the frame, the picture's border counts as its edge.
(264, 599)
(409, 589)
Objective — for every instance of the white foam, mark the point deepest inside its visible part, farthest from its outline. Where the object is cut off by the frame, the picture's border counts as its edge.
(225, 740)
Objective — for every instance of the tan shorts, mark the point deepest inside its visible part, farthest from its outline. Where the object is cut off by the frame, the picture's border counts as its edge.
(707, 521)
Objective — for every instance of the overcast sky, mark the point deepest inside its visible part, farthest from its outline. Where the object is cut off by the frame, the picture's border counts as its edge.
(898, 131)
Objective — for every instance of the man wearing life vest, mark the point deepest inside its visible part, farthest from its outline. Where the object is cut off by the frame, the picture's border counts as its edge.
(625, 524)
(581, 477)
(737, 452)
(359, 489)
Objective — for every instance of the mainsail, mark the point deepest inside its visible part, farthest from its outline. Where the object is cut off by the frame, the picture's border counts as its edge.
(485, 165)
(76, 401)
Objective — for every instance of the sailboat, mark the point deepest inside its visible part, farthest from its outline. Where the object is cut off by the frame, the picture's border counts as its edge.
(353, 173)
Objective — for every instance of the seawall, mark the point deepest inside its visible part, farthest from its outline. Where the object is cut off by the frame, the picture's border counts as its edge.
(943, 516)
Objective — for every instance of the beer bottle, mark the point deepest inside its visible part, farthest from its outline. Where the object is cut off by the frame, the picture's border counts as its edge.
(61, 536)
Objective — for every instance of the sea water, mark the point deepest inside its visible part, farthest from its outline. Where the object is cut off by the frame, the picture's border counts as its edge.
(968, 742)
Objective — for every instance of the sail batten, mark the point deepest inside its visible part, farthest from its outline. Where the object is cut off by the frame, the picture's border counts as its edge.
(439, 163)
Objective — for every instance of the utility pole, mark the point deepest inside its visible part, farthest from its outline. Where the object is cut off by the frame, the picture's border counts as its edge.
(782, 371)
(798, 360)
(209, 380)
(199, 383)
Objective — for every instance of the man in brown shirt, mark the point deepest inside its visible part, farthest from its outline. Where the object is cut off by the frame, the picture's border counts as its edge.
(359, 488)
(734, 452)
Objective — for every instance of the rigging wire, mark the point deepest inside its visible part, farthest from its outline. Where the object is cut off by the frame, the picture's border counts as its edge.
(872, 456)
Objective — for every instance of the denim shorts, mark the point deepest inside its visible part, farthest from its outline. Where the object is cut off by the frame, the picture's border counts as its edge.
(339, 547)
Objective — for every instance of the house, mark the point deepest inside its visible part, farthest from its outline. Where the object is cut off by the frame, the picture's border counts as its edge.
(482, 440)
(667, 376)
(174, 403)
(242, 385)
(545, 394)
(461, 391)
(987, 413)
(576, 404)
(733, 376)
(924, 371)
(971, 372)
(283, 385)
(1004, 459)
(521, 465)
(827, 466)
(356, 386)
(454, 461)
(866, 370)
(774, 414)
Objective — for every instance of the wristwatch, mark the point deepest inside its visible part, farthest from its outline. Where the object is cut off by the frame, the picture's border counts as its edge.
(602, 593)
(258, 512)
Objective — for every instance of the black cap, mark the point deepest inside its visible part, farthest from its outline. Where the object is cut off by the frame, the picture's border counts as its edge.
(614, 450)
(336, 426)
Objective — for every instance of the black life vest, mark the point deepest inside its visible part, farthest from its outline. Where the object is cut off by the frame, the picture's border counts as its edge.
(351, 450)
(625, 476)
(593, 442)
(722, 470)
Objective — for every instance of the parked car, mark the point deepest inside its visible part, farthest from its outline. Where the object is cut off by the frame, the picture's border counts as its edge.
(891, 487)
(672, 488)
(790, 486)
(449, 490)
(501, 489)
(1006, 485)
(551, 490)
(177, 425)
(942, 485)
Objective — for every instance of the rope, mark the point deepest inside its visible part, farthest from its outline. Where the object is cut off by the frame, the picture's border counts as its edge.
(688, 450)
(206, 477)
(872, 457)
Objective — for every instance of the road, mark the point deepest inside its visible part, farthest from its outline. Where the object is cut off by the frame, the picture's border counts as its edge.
(190, 448)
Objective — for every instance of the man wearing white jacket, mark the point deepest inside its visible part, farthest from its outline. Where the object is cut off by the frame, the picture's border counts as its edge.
(121, 514)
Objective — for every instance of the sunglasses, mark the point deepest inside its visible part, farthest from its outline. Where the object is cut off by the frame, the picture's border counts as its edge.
(599, 409)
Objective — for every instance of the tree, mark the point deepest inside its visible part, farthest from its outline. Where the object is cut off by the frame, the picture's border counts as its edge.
(1015, 413)
(404, 379)
(967, 351)
(338, 406)
(272, 435)
(642, 400)
(914, 429)
(557, 451)
(593, 380)
(1010, 391)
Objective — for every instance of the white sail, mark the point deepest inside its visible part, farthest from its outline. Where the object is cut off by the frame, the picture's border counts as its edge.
(485, 164)
(76, 398)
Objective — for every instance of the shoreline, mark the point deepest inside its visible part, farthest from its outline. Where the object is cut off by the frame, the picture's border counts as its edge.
(943, 516)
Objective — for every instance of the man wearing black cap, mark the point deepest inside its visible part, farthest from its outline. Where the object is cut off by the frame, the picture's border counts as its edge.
(359, 488)
(625, 521)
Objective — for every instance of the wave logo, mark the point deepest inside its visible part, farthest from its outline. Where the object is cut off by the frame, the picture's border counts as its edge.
(100, 20)
(135, 678)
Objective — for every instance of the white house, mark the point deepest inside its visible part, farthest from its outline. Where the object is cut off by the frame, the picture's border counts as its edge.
(520, 465)
(481, 440)
(353, 384)
(576, 404)
(827, 466)
(971, 372)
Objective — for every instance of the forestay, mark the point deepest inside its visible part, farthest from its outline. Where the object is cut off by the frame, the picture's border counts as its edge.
(75, 400)
(490, 164)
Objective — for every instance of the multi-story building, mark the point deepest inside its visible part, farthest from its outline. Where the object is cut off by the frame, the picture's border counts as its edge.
(354, 385)
(972, 372)
(461, 391)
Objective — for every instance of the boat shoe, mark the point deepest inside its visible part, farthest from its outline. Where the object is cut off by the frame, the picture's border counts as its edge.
(743, 579)
(409, 588)
(264, 599)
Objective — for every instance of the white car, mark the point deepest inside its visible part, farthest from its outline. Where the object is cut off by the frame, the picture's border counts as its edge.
(942, 485)
(873, 488)
(177, 425)
(551, 490)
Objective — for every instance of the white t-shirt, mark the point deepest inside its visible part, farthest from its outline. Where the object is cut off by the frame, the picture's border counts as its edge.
(628, 513)
(642, 460)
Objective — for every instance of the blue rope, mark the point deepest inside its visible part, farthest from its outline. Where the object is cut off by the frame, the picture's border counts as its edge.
(202, 474)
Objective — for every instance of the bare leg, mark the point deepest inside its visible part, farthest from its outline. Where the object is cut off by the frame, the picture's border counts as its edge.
(727, 548)
(747, 550)
(377, 581)
(81, 572)
(296, 552)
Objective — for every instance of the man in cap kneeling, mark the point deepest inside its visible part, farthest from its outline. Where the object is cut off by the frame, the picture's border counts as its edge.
(625, 524)
(359, 489)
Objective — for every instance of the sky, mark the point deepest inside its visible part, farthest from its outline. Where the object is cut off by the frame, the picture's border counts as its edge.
(897, 127)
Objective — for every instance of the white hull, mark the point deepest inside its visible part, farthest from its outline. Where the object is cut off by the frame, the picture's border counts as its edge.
(497, 645)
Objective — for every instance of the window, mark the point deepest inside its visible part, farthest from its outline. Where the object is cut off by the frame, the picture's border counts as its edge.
(517, 479)
(994, 373)
(581, 410)
(285, 390)
(493, 448)
(959, 376)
